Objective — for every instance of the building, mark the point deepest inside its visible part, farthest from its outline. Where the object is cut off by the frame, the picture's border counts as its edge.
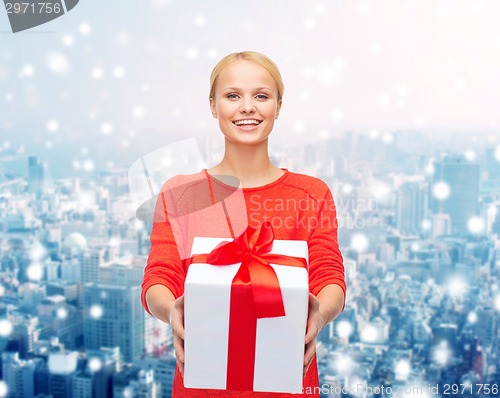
(62, 367)
(441, 225)
(19, 375)
(461, 177)
(90, 260)
(114, 317)
(411, 207)
(35, 175)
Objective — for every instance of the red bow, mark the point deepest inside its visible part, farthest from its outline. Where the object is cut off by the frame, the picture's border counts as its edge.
(255, 293)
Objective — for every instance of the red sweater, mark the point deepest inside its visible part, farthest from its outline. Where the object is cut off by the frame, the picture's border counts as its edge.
(299, 207)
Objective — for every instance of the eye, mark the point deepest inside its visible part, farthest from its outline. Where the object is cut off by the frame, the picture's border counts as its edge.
(232, 96)
(261, 96)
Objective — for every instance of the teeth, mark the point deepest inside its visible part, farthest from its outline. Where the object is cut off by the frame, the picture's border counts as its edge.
(240, 122)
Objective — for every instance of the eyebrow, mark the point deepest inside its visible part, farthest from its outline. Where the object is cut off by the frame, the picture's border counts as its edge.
(257, 89)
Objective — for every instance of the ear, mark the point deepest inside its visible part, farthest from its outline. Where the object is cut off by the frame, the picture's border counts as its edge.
(278, 108)
(212, 107)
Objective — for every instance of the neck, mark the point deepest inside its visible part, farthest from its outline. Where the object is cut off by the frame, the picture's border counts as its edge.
(249, 163)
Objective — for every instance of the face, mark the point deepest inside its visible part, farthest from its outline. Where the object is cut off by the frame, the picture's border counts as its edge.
(245, 102)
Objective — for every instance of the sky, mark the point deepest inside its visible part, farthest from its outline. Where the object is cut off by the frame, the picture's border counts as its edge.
(115, 80)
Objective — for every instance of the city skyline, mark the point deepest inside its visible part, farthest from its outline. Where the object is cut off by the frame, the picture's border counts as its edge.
(422, 307)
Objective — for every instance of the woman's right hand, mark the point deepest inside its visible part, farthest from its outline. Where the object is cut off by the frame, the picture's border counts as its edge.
(177, 323)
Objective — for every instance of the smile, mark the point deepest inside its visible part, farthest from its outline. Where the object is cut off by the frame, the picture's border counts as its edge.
(244, 122)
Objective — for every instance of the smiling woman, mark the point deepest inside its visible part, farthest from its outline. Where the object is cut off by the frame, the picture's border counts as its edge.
(245, 98)
(246, 95)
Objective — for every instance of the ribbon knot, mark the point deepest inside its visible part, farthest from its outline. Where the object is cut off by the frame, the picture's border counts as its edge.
(252, 248)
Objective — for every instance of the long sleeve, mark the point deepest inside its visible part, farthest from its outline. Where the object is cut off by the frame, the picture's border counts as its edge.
(164, 265)
(326, 264)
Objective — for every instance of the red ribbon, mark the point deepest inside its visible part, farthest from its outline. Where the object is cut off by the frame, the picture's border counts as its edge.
(255, 293)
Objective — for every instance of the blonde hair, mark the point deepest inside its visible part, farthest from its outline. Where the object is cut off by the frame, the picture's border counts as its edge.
(252, 56)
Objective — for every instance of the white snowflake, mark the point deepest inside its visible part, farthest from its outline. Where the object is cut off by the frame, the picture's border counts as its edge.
(441, 190)
(138, 111)
(119, 72)
(475, 225)
(344, 329)
(359, 242)
(472, 317)
(34, 272)
(497, 153)
(28, 70)
(62, 313)
(84, 28)
(369, 334)
(97, 73)
(402, 369)
(199, 20)
(106, 128)
(470, 155)
(4, 389)
(52, 125)
(96, 311)
(497, 303)
(456, 287)
(6, 328)
(95, 364)
(88, 165)
(192, 53)
(68, 40)
(58, 63)
(310, 23)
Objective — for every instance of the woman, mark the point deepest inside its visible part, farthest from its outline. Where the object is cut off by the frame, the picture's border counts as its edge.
(246, 97)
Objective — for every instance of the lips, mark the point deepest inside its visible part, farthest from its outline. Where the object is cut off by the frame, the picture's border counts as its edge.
(247, 122)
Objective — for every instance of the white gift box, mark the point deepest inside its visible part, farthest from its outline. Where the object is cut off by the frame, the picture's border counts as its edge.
(279, 353)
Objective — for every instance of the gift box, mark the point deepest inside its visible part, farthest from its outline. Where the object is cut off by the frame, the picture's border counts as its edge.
(245, 313)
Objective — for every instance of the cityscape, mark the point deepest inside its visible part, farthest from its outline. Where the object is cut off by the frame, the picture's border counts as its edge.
(419, 228)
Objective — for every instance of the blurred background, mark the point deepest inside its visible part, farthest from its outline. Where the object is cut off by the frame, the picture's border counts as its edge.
(394, 104)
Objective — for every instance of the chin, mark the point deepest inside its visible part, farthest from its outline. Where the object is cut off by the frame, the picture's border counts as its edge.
(246, 140)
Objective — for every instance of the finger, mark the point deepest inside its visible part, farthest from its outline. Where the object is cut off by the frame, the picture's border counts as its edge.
(181, 367)
(309, 356)
(309, 352)
(179, 354)
(306, 368)
(311, 332)
(179, 329)
(180, 303)
(312, 328)
(177, 324)
(313, 302)
(179, 349)
(312, 318)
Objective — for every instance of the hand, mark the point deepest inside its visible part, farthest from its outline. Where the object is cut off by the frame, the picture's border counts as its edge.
(314, 324)
(177, 323)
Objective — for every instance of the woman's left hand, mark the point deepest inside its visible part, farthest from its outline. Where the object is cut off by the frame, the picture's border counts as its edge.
(314, 325)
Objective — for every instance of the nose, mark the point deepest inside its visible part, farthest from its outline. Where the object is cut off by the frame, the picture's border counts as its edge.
(247, 106)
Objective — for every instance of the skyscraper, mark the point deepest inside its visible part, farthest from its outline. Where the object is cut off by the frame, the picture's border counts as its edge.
(90, 260)
(461, 178)
(411, 207)
(35, 175)
(114, 317)
(19, 375)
